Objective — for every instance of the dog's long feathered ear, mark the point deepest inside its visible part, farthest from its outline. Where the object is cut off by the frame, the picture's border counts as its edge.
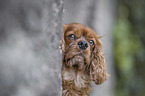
(98, 67)
(62, 41)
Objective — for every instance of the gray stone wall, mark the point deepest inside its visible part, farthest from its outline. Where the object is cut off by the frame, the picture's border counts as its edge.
(30, 63)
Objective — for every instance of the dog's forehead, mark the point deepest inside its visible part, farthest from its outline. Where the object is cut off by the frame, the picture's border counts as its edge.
(79, 30)
(85, 31)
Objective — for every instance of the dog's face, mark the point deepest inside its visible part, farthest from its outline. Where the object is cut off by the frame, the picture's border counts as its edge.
(80, 42)
(82, 61)
(82, 48)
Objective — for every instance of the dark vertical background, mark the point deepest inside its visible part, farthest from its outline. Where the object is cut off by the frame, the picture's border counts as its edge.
(129, 48)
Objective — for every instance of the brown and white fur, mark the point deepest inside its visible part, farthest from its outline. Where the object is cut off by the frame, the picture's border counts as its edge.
(82, 60)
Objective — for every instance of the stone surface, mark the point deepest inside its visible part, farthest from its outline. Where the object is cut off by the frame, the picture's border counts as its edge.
(30, 63)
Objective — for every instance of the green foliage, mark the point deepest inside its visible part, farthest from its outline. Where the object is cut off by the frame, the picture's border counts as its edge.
(129, 52)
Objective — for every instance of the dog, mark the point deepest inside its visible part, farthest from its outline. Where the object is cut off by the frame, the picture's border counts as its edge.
(82, 60)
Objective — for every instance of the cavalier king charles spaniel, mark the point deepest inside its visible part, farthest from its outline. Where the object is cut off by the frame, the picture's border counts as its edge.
(82, 60)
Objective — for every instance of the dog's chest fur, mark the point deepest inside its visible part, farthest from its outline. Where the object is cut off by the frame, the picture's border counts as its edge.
(76, 80)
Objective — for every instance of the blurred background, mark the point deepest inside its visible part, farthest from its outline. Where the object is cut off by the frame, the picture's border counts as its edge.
(30, 31)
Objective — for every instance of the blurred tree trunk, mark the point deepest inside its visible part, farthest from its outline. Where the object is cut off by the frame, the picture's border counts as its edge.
(99, 15)
(30, 31)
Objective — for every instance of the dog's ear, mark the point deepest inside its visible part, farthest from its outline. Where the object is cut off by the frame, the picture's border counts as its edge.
(62, 41)
(98, 68)
(64, 27)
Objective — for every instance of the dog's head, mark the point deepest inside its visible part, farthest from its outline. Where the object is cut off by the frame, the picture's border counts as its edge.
(81, 47)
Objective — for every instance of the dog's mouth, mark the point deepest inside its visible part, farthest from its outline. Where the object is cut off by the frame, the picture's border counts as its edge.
(76, 57)
(79, 60)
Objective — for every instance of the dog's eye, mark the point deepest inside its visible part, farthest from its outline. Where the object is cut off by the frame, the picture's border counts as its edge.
(91, 42)
(71, 36)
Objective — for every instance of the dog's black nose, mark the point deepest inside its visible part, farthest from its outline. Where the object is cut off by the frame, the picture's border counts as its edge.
(83, 45)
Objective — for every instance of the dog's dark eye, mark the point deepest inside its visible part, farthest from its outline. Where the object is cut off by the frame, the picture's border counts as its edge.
(91, 42)
(72, 36)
